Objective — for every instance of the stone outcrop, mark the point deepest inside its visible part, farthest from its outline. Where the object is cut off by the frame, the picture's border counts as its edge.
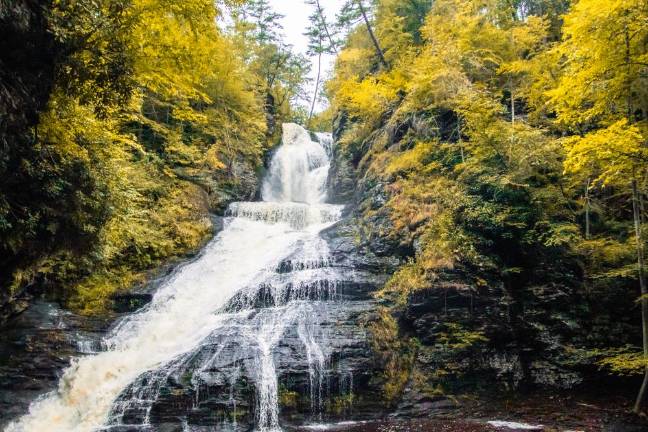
(522, 335)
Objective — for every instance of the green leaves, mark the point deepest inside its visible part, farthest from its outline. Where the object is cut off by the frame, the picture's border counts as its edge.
(322, 37)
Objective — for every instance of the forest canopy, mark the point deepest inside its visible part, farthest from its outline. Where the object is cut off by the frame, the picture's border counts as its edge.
(512, 140)
(152, 113)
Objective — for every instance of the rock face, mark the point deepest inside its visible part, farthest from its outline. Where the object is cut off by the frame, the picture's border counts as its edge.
(336, 363)
(34, 349)
(27, 55)
(342, 175)
(324, 365)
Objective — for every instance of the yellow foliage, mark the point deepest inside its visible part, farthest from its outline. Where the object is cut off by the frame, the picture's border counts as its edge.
(604, 59)
(411, 160)
(193, 106)
(615, 154)
(349, 59)
(625, 363)
(461, 133)
(395, 355)
(407, 279)
(372, 96)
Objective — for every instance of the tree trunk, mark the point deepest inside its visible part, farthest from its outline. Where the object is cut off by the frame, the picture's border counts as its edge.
(317, 82)
(587, 210)
(511, 87)
(459, 140)
(644, 293)
(379, 50)
(328, 35)
(512, 104)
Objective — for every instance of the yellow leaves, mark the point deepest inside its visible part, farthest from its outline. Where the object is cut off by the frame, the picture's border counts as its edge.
(395, 41)
(603, 61)
(465, 29)
(531, 34)
(422, 206)
(410, 160)
(608, 257)
(183, 112)
(146, 91)
(466, 49)
(436, 80)
(407, 279)
(351, 66)
(372, 96)
(413, 202)
(176, 47)
(351, 56)
(394, 354)
(457, 338)
(212, 159)
(74, 129)
(181, 153)
(613, 154)
(92, 295)
(624, 361)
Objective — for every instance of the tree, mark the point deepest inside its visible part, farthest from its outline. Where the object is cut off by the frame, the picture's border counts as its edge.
(602, 95)
(618, 157)
(138, 98)
(281, 74)
(266, 22)
(319, 26)
(320, 41)
(351, 13)
(412, 13)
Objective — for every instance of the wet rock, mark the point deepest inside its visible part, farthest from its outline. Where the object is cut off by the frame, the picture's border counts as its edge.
(35, 347)
(629, 425)
(217, 383)
(342, 178)
(130, 302)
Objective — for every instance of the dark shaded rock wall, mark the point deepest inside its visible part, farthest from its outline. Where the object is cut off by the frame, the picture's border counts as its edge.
(35, 347)
(27, 61)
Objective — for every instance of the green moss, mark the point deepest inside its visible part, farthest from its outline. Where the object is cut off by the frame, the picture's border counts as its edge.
(395, 355)
(288, 398)
(341, 403)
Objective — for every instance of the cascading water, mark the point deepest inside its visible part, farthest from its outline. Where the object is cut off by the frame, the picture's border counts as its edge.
(225, 312)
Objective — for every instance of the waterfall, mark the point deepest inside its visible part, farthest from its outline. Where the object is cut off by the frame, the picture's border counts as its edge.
(298, 170)
(228, 309)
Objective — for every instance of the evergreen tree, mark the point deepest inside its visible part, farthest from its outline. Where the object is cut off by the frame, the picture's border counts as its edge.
(320, 41)
(354, 12)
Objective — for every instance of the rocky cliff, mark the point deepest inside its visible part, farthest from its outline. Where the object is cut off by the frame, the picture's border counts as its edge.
(27, 59)
(473, 331)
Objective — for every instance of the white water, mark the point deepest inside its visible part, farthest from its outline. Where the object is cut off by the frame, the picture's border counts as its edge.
(298, 171)
(499, 424)
(187, 308)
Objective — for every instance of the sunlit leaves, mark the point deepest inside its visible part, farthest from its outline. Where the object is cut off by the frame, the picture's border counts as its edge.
(372, 96)
(614, 155)
(146, 92)
(605, 62)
